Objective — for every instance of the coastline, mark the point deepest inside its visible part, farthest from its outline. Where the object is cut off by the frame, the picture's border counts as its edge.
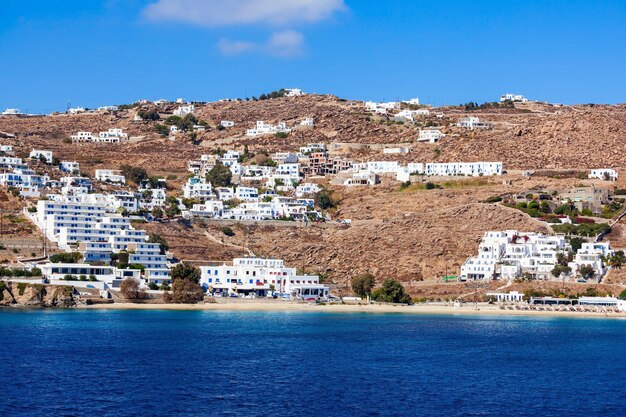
(420, 309)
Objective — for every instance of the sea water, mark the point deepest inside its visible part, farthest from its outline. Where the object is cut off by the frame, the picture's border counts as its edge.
(194, 363)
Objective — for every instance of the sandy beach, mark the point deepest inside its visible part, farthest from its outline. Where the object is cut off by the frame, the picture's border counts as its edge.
(425, 309)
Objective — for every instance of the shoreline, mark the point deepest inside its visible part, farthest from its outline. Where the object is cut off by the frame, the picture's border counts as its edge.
(420, 309)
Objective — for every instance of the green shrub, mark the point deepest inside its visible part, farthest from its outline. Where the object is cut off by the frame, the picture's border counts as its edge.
(494, 199)
(391, 292)
(21, 287)
(67, 258)
(228, 231)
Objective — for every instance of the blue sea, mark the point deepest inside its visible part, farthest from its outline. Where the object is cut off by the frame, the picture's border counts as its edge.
(197, 363)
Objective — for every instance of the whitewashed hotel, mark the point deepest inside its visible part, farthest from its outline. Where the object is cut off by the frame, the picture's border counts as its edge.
(90, 230)
(260, 277)
(509, 254)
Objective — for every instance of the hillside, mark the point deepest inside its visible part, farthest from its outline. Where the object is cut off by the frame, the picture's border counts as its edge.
(414, 235)
(529, 137)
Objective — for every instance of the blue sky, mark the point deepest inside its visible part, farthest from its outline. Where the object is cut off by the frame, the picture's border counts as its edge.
(97, 52)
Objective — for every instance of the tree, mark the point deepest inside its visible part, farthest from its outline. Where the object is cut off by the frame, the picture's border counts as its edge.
(362, 285)
(559, 270)
(185, 272)
(323, 199)
(228, 231)
(131, 289)
(576, 243)
(622, 295)
(157, 213)
(156, 238)
(219, 175)
(587, 271)
(184, 292)
(617, 259)
(66, 258)
(391, 292)
(134, 174)
(150, 114)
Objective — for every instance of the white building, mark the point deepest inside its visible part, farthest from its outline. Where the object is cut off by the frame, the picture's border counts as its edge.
(110, 175)
(197, 187)
(378, 167)
(246, 193)
(312, 148)
(513, 97)
(261, 277)
(38, 154)
(71, 167)
(507, 297)
(227, 123)
(473, 169)
(307, 189)
(76, 110)
(430, 135)
(209, 209)
(410, 115)
(309, 121)
(414, 101)
(88, 229)
(393, 151)
(293, 92)
(111, 136)
(604, 174)
(263, 128)
(592, 254)
(82, 137)
(472, 122)
(510, 254)
(12, 112)
(108, 108)
(182, 111)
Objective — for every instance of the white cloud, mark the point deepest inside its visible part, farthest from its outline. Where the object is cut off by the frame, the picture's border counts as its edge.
(286, 44)
(228, 47)
(242, 12)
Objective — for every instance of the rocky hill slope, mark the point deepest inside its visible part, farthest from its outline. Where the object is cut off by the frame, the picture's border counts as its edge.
(528, 137)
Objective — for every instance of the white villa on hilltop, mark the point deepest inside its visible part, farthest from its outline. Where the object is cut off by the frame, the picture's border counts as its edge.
(513, 97)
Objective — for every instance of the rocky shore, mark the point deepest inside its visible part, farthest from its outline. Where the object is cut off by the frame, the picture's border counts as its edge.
(17, 294)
